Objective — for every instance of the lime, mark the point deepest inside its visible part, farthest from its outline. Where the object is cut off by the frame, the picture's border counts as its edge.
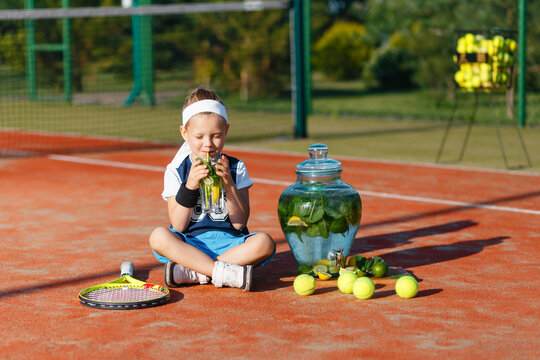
(322, 272)
(324, 262)
(379, 269)
(355, 260)
(320, 269)
(359, 272)
(334, 270)
(208, 180)
(305, 269)
(346, 269)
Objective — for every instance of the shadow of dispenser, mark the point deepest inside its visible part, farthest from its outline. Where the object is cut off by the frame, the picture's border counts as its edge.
(484, 66)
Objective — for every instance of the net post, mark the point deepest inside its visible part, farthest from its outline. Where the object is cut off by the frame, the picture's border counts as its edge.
(66, 53)
(147, 56)
(298, 69)
(143, 65)
(307, 53)
(30, 52)
(522, 62)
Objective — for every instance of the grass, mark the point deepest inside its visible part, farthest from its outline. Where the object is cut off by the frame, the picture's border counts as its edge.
(409, 140)
(351, 121)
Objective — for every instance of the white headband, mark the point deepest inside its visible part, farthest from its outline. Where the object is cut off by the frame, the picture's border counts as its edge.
(204, 106)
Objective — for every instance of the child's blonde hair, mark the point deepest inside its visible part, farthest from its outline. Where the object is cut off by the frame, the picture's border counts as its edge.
(199, 94)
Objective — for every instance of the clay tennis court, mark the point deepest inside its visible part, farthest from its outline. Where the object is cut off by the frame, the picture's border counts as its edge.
(470, 236)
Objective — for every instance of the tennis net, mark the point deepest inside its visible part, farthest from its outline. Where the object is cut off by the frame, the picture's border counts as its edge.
(111, 78)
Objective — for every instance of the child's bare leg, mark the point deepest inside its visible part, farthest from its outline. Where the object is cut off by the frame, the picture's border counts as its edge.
(255, 249)
(167, 244)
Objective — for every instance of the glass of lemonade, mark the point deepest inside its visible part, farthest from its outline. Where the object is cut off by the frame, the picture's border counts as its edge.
(211, 189)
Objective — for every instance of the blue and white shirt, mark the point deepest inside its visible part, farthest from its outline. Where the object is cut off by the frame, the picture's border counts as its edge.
(177, 172)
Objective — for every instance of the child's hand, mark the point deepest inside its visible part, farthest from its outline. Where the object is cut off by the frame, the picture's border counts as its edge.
(223, 170)
(198, 172)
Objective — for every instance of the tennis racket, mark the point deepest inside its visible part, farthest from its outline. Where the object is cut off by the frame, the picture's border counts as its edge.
(125, 293)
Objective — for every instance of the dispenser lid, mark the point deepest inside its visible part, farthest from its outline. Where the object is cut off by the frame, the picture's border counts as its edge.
(318, 163)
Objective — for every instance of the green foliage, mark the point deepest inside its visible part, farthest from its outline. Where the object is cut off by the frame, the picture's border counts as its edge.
(245, 52)
(428, 28)
(392, 66)
(320, 215)
(12, 49)
(342, 51)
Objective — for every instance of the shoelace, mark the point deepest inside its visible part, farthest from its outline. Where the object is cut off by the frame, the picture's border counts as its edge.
(182, 275)
(232, 275)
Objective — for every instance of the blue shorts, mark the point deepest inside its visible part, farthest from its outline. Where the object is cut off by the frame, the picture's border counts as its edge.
(212, 243)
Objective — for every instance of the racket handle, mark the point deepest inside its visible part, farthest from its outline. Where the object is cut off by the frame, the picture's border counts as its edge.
(126, 268)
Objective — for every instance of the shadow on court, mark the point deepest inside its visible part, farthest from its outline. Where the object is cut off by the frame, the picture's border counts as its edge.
(427, 255)
(399, 238)
(141, 273)
(452, 209)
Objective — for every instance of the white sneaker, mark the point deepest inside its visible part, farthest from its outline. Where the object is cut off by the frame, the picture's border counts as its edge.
(232, 275)
(176, 275)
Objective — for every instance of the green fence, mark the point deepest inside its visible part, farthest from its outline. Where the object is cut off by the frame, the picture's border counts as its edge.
(86, 79)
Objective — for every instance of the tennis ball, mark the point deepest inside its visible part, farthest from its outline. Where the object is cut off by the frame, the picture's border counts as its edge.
(406, 287)
(345, 282)
(304, 284)
(363, 288)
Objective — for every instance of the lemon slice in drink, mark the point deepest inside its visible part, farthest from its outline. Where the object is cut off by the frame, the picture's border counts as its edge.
(322, 272)
(295, 221)
(215, 194)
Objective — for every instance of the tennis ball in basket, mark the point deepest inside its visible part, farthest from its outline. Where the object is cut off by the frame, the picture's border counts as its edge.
(363, 288)
(304, 284)
(406, 287)
(345, 282)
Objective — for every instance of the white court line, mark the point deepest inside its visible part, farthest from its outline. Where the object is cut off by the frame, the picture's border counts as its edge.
(119, 164)
(391, 162)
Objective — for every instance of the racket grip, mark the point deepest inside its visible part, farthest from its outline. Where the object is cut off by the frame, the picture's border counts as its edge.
(126, 268)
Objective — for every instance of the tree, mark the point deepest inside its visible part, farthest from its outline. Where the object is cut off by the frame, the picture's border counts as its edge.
(245, 52)
(342, 51)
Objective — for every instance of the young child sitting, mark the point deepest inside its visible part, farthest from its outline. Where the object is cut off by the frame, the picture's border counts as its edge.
(200, 247)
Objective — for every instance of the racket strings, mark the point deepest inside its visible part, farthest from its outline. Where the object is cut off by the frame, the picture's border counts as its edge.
(123, 294)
